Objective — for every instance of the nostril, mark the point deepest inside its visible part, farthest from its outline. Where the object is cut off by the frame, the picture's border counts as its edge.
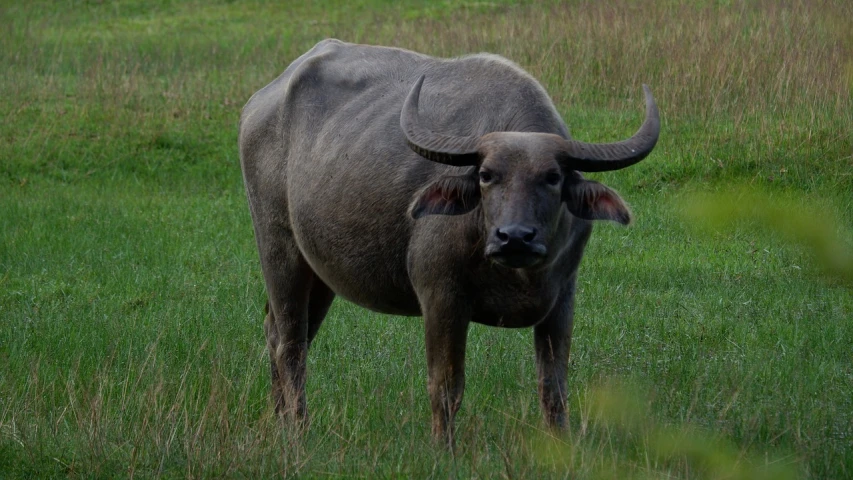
(515, 234)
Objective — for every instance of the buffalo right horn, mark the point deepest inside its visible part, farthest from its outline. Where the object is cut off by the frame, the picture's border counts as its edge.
(446, 149)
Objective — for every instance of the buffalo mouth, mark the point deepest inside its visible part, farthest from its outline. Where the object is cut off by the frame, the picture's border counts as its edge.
(517, 257)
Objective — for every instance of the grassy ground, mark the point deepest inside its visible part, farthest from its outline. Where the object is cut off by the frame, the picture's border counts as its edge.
(130, 295)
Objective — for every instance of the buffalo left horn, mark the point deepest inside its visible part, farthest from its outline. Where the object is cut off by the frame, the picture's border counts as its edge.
(602, 157)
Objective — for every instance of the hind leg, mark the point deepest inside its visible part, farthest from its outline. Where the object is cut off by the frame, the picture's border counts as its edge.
(289, 281)
(319, 301)
(298, 303)
(271, 334)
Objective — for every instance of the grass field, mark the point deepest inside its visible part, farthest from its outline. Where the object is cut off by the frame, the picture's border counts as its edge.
(131, 340)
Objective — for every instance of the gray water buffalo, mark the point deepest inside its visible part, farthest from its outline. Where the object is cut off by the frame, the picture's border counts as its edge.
(421, 186)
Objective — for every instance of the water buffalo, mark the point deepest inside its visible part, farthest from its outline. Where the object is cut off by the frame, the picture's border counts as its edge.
(413, 185)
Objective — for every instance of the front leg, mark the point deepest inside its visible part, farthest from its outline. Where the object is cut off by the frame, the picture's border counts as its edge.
(446, 336)
(552, 340)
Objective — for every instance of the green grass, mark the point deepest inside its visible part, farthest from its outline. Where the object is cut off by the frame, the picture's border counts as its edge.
(131, 340)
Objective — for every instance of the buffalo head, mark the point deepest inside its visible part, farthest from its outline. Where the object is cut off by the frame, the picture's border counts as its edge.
(522, 179)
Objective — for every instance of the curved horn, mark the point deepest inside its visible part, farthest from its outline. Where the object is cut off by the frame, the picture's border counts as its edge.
(447, 149)
(602, 157)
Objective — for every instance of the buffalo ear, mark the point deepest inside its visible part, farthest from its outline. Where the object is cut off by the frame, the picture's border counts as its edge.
(591, 200)
(449, 195)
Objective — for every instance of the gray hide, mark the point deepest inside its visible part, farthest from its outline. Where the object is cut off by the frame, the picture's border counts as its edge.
(450, 216)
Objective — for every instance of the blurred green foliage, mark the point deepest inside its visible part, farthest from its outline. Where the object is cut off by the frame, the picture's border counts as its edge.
(796, 218)
(620, 418)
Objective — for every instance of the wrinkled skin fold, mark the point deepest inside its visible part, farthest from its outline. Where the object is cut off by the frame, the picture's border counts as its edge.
(411, 185)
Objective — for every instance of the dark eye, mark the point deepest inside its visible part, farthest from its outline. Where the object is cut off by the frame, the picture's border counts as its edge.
(553, 178)
(486, 176)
